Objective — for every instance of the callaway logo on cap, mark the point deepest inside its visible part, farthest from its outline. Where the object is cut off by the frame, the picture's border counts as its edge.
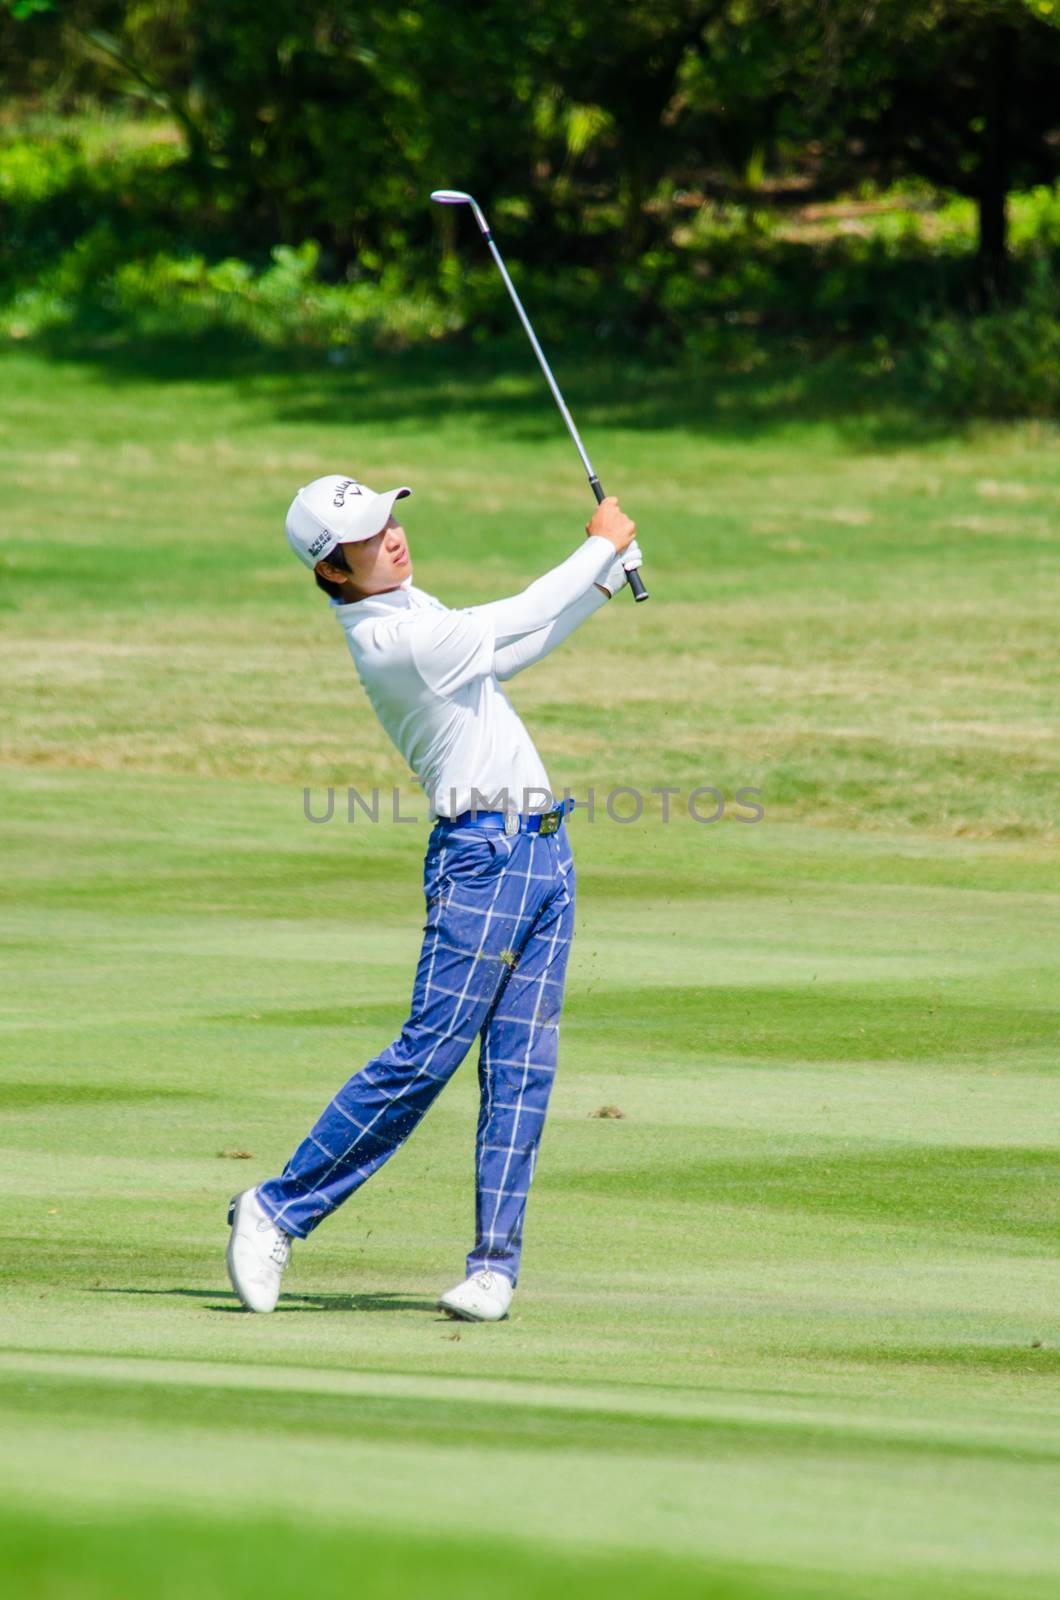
(336, 510)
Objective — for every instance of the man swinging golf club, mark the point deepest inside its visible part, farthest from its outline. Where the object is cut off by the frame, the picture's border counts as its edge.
(498, 882)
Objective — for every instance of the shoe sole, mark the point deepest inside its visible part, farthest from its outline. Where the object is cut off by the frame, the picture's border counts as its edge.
(467, 1316)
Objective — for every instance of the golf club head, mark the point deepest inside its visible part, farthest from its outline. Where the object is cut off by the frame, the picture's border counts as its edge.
(458, 197)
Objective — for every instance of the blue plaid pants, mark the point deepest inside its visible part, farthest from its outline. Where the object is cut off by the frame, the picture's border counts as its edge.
(500, 919)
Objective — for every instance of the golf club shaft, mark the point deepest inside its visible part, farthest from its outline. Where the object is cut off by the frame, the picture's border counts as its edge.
(639, 591)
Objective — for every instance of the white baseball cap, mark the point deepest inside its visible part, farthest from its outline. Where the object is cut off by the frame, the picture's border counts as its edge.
(336, 510)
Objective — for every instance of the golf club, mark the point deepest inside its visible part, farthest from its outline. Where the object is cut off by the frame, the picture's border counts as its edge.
(457, 197)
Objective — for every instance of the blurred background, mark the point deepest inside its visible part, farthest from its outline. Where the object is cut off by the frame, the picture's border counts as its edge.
(862, 193)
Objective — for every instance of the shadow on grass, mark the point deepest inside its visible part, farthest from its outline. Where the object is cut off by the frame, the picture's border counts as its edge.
(22, 1096)
(768, 384)
(378, 1300)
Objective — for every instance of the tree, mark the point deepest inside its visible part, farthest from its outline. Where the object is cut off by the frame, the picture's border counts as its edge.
(332, 119)
(961, 92)
(626, 60)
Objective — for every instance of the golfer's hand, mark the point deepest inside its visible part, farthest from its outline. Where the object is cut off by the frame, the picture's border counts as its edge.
(611, 522)
(615, 579)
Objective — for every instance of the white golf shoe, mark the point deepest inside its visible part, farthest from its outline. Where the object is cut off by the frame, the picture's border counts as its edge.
(257, 1255)
(484, 1297)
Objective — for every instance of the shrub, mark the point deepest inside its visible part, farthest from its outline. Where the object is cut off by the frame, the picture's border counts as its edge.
(91, 225)
(1004, 363)
(93, 288)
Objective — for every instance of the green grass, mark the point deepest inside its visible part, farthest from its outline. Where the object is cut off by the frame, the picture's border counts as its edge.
(789, 1327)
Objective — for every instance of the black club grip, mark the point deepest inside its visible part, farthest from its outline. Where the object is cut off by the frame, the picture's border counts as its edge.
(633, 578)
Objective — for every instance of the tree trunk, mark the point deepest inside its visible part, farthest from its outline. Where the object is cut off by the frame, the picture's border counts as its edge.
(994, 167)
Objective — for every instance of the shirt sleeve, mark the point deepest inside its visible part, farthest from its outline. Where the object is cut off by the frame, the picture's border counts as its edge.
(519, 653)
(548, 597)
(451, 649)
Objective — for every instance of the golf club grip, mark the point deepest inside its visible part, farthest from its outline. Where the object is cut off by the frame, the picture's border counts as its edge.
(632, 578)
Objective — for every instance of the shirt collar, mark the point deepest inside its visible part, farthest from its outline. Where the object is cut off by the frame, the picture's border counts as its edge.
(398, 599)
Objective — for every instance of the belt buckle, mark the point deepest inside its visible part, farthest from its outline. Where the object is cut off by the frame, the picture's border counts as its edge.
(549, 822)
(511, 823)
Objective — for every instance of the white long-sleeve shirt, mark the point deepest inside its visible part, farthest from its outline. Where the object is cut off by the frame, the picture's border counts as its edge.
(433, 677)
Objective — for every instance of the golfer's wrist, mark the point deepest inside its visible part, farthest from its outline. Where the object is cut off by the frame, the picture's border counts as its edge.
(608, 554)
(599, 558)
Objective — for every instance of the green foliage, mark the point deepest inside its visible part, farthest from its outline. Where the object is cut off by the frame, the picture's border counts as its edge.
(93, 289)
(33, 171)
(650, 173)
(96, 219)
(22, 10)
(60, 193)
(333, 120)
(1004, 363)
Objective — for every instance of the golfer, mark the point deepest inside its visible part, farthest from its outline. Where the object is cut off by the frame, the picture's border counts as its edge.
(498, 882)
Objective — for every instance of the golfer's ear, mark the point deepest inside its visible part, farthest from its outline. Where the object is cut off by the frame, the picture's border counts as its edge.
(330, 573)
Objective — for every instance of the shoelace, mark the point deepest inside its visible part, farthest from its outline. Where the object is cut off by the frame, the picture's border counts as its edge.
(280, 1249)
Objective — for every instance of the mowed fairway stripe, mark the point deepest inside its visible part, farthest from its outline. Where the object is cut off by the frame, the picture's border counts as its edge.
(1028, 1437)
(895, 1515)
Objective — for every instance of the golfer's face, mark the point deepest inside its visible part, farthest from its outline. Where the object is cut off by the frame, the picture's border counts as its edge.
(381, 562)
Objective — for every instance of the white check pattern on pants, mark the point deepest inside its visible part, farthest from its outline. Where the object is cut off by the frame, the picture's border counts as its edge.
(500, 919)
